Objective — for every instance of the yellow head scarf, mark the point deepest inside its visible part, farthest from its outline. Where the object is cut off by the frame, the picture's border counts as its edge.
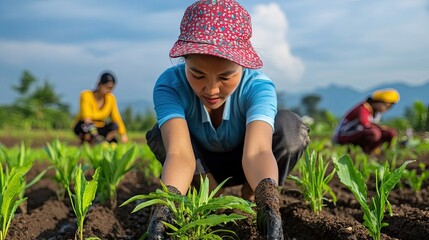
(388, 95)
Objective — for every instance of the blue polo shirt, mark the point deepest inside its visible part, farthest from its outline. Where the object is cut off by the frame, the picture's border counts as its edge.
(254, 99)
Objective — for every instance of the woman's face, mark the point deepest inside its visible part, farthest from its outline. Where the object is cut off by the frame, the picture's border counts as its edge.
(213, 79)
(382, 106)
(106, 88)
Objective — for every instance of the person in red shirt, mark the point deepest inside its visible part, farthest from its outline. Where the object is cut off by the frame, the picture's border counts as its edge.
(361, 127)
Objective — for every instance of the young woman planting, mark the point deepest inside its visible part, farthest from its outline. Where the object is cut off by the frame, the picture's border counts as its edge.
(217, 116)
(360, 126)
(94, 108)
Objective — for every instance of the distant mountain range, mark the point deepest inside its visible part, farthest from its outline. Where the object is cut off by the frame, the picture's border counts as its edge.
(335, 99)
(338, 100)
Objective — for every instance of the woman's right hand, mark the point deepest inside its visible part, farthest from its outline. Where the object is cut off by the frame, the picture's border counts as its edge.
(161, 213)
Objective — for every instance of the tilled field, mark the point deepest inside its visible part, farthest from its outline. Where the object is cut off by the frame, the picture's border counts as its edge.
(48, 218)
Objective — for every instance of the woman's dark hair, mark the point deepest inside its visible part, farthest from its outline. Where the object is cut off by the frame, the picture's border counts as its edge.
(106, 77)
(370, 100)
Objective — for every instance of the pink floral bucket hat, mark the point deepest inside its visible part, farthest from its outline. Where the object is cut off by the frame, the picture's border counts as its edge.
(220, 28)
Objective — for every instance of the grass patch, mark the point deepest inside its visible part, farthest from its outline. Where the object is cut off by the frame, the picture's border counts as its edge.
(39, 138)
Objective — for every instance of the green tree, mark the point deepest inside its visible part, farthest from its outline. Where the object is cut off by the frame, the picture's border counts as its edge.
(418, 116)
(26, 81)
(127, 117)
(310, 103)
(138, 122)
(147, 121)
(281, 100)
(45, 96)
(36, 107)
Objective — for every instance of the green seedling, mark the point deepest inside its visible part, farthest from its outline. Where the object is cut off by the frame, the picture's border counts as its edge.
(195, 215)
(114, 163)
(64, 159)
(149, 165)
(81, 200)
(361, 161)
(314, 181)
(21, 157)
(375, 208)
(395, 153)
(416, 179)
(422, 147)
(11, 188)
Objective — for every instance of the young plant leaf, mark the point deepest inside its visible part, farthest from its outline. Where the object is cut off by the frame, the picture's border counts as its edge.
(196, 213)
(385, 182)
(352, 178)
(12, 186)
(85, 192)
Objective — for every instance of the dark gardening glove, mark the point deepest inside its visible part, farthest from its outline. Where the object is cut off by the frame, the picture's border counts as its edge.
(160, 213)
(268, 218)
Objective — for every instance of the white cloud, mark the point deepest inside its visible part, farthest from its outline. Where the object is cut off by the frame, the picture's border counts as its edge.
(357, 43)
(348, 42)
(72, 68)
(270, 30)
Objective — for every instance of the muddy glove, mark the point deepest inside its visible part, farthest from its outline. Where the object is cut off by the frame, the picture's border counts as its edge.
(160, 213)
(268, 218)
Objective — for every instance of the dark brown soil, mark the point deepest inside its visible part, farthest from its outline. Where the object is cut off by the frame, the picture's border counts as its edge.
(49, 218)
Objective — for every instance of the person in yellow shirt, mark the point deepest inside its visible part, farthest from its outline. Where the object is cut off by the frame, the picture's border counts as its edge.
(98, 118)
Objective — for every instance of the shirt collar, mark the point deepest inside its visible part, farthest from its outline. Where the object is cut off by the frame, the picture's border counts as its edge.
(226, 111)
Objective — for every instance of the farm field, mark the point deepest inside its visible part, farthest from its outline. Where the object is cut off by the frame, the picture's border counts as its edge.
(47, 217)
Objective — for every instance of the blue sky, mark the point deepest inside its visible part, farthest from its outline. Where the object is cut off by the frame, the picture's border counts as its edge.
(305, 44)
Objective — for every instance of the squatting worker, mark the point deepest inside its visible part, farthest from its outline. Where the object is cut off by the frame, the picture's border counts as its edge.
(217, 116)
(95, 107)
(361, 125)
